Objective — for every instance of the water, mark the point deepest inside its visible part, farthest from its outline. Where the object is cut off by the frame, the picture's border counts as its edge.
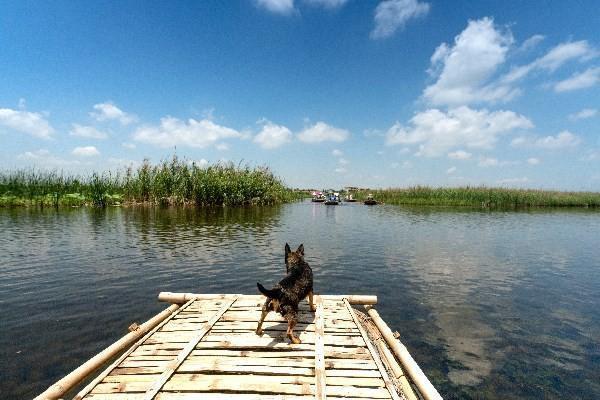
(490, 304)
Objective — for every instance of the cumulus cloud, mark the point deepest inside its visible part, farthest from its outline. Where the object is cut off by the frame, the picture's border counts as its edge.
(191, 133)
(128, 145)
(584, 114)
(579, 80)
(564, 139)
(31, 123)
(451, 170)
(464, 70)
(337, 153)
(87, 132)
(110, 112)
(85, 151)
(321, 132)
(533, 161)
(283, 7)
(459, 155)
(488, 162)
(436, 132)
(272, 135)
(43, 157)
(391, 15)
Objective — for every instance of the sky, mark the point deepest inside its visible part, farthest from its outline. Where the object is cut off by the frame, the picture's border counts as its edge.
(328, 93)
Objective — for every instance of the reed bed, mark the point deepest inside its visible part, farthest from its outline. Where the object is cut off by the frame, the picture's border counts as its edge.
(173, 182)
(483, 197)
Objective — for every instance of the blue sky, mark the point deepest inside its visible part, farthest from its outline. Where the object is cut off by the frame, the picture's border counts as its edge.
(326, 92)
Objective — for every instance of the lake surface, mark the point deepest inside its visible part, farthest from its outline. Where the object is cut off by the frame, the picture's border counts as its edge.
(491, 304)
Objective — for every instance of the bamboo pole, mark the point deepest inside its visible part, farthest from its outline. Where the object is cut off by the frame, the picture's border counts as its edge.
(81, 372)
(427, 390)
(180, 298)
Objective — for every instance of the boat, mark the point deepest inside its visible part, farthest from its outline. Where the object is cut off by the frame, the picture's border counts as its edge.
(318, 197)
(333, 199)
(205, 346)
(370, 201)
(349, 198)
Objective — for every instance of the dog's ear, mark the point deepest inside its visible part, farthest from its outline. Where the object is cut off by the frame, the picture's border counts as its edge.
(300, 250)
(287, 251)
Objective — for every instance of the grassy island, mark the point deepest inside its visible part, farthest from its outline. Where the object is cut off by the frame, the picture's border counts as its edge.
(483, 197)
(174, 182)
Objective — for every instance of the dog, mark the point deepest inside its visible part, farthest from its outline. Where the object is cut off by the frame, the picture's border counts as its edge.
(291, 290)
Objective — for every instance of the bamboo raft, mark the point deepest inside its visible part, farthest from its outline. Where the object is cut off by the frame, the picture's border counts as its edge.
(205, 347)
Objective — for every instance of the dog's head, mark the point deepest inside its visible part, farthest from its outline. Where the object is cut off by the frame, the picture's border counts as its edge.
(293, 258)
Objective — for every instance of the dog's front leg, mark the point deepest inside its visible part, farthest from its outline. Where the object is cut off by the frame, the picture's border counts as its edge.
(310, 301)
(265, 311)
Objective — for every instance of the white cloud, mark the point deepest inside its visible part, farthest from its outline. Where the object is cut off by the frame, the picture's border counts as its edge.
(87, 132)
(31, 123)
(512, 181)
(85, 151)
(391, 15)
(464, 70)
(533, 161)
(451, 170)
(43, 157)
(128, 145)
(199, 163)
(584, 114)
(321, 132)
(437, 131)
(459, 155)
(555, 58)
(109, 112)
(222, 146)
(284, 7)
(563, 140)
(193, 133)
(519, 141)
(341, 170)
(395, 165)
(330, 4)
(580, 80)
(337, 153)
(343, 161)
(530, 43)
(272, 135)
(488, 162)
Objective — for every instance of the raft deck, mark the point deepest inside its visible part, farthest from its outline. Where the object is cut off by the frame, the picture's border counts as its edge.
(207, 348)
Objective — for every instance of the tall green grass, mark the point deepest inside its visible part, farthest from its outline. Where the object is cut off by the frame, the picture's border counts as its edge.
(483, 197)
(173, 182)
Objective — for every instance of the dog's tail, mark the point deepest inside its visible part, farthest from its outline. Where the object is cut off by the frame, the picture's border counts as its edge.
(272, 293)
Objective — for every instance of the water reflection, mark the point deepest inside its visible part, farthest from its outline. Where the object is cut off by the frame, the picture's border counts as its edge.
(492, 305)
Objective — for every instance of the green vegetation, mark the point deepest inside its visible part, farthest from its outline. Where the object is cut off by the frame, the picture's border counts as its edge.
(173, 182)
(483, 197)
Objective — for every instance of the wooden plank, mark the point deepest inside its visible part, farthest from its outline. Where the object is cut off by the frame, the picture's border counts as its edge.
(166, 375)
(108, 370)
(320, 382)
(388, 383)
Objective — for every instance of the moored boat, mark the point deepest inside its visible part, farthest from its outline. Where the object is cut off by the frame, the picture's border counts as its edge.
(370, 201)
(333, 199)
(318, 197)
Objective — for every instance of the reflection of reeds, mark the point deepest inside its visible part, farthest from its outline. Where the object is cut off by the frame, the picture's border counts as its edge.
(173, 182)
(484, 197)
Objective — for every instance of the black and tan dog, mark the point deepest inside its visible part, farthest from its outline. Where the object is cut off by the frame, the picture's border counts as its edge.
(292, 289)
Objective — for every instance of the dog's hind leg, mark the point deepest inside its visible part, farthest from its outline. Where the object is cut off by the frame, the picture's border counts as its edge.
(265, 310)
(292, 320)
(310, 301)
